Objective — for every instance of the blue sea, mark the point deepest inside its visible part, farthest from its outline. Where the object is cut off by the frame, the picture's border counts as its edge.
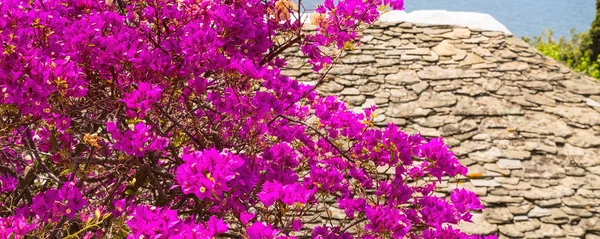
(521, 17)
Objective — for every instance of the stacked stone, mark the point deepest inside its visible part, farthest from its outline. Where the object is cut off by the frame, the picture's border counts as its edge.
(527, 127)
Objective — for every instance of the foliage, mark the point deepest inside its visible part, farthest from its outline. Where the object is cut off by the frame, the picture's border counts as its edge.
(574, 52)
(594, 44)
(171, 119)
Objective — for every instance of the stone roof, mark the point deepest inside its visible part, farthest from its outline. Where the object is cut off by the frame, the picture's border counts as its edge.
(527, 127)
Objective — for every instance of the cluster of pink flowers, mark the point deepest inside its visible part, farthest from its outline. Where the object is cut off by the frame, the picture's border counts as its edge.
(172, 119)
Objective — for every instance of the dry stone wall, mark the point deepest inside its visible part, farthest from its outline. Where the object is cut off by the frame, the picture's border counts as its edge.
(527, 127)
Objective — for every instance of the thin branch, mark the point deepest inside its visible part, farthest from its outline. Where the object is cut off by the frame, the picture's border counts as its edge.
(113, 191)
(159, 188)
(174, 121)
(353, 224)
(322, 136)
(31, 145)
(280, 50)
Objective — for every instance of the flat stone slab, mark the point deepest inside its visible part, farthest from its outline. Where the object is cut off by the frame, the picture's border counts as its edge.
(479, 226)
(485, 183)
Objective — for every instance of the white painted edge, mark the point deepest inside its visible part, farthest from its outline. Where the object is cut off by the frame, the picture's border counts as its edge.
(473, 20)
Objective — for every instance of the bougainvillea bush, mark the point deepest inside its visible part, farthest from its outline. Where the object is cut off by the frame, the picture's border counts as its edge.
(171, 119)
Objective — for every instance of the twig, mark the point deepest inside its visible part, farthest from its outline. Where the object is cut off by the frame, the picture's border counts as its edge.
(31, 145)
(174, 121)
(353, 224)
(113, 191)
(159, 188)
(279, 50)
(27, 180)
(322, 136)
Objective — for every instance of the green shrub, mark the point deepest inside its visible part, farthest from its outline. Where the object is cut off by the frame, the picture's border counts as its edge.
(573, 51)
